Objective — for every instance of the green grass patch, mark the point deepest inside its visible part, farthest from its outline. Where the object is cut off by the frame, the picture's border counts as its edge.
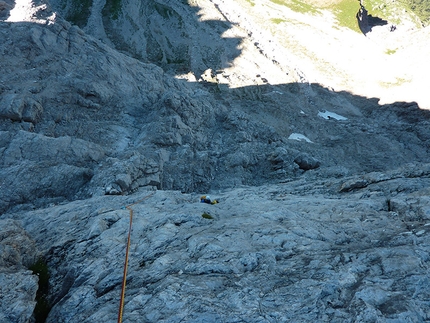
(277, 20)
(390, 51)
(346, 14)
(378, 8)
(297, 6)
(393, 11)
(422, 9)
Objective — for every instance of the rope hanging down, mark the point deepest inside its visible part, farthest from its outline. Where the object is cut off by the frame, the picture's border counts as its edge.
(124, 276)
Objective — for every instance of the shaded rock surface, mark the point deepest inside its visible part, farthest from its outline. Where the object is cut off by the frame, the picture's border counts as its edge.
(324, 211)
(247, 43)
(103, 120)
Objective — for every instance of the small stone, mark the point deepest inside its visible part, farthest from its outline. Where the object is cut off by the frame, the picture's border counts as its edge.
(113, 189)
(124, 181)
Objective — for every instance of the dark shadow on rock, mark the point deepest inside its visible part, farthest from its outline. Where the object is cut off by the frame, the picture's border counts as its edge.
(189, 137)
(366, 22)
(364, 142)
(170, 34)
(177, 38)
(376, 21)
(5, 8)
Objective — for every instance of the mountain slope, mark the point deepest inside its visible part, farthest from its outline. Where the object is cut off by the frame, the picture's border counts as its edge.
(307, 40)
(324, 209)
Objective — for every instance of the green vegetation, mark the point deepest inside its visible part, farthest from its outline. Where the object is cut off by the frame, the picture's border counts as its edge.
(79, 12)
(422, 9)
(391, 10)
(346, 13)
(41, 311)
(297, 5)
(251, 2)
(390, 51)
(277, 20)
(207, 216)
(380, 9)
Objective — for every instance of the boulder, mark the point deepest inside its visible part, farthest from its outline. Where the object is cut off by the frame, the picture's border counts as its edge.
(306, 162)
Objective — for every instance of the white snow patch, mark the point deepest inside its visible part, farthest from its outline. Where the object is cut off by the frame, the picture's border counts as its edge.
(26, 10)
(299, 137)
(330, 115)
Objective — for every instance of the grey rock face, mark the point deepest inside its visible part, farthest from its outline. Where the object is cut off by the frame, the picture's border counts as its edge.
(49, 167)
(87, 120)
(19, 292)
(86, 131)
(166, 33)
(18, 249)
(269, 254)
(18, 286)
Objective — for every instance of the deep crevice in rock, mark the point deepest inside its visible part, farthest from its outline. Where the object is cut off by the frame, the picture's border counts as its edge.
(42, 309)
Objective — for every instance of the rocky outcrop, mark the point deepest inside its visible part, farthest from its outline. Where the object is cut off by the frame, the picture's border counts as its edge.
(366, 22)
(363, 19)
(167, 133)
(299, 251)
(18, 285)
(86, 120)
(324, 209)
